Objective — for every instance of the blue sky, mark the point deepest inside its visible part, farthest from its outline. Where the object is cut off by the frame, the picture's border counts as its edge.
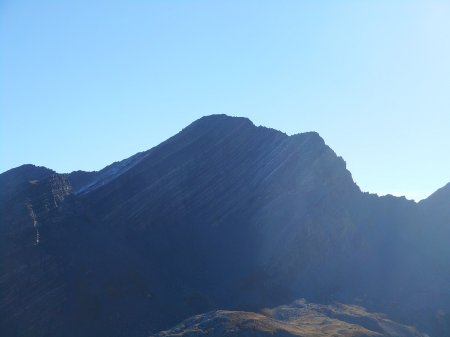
(86, 83)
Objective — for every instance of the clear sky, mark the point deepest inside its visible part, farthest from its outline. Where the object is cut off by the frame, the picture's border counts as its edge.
(86, 83)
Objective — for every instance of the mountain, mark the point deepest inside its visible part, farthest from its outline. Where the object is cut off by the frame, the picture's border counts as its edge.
(223, 215)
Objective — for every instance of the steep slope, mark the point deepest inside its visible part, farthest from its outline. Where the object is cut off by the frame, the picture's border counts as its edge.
(223, 215)
(218, 204)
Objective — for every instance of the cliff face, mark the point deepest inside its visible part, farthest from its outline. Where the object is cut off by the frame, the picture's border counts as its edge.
(223, 215)
(31, 289)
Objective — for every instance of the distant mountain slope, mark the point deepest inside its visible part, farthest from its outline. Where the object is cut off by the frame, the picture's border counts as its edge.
(438, 204)
(223, 215)
(439, 198)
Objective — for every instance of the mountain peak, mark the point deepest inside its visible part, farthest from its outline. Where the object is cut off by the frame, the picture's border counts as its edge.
(224, 117)
(227, 121)
(220, 121)
(311, 136)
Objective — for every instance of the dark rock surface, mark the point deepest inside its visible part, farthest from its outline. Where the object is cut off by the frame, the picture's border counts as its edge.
(223, 215)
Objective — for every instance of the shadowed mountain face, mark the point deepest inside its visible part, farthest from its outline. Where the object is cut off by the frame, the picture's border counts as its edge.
(224, 215)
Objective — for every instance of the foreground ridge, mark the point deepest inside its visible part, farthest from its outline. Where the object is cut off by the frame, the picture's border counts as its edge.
(298, 319)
